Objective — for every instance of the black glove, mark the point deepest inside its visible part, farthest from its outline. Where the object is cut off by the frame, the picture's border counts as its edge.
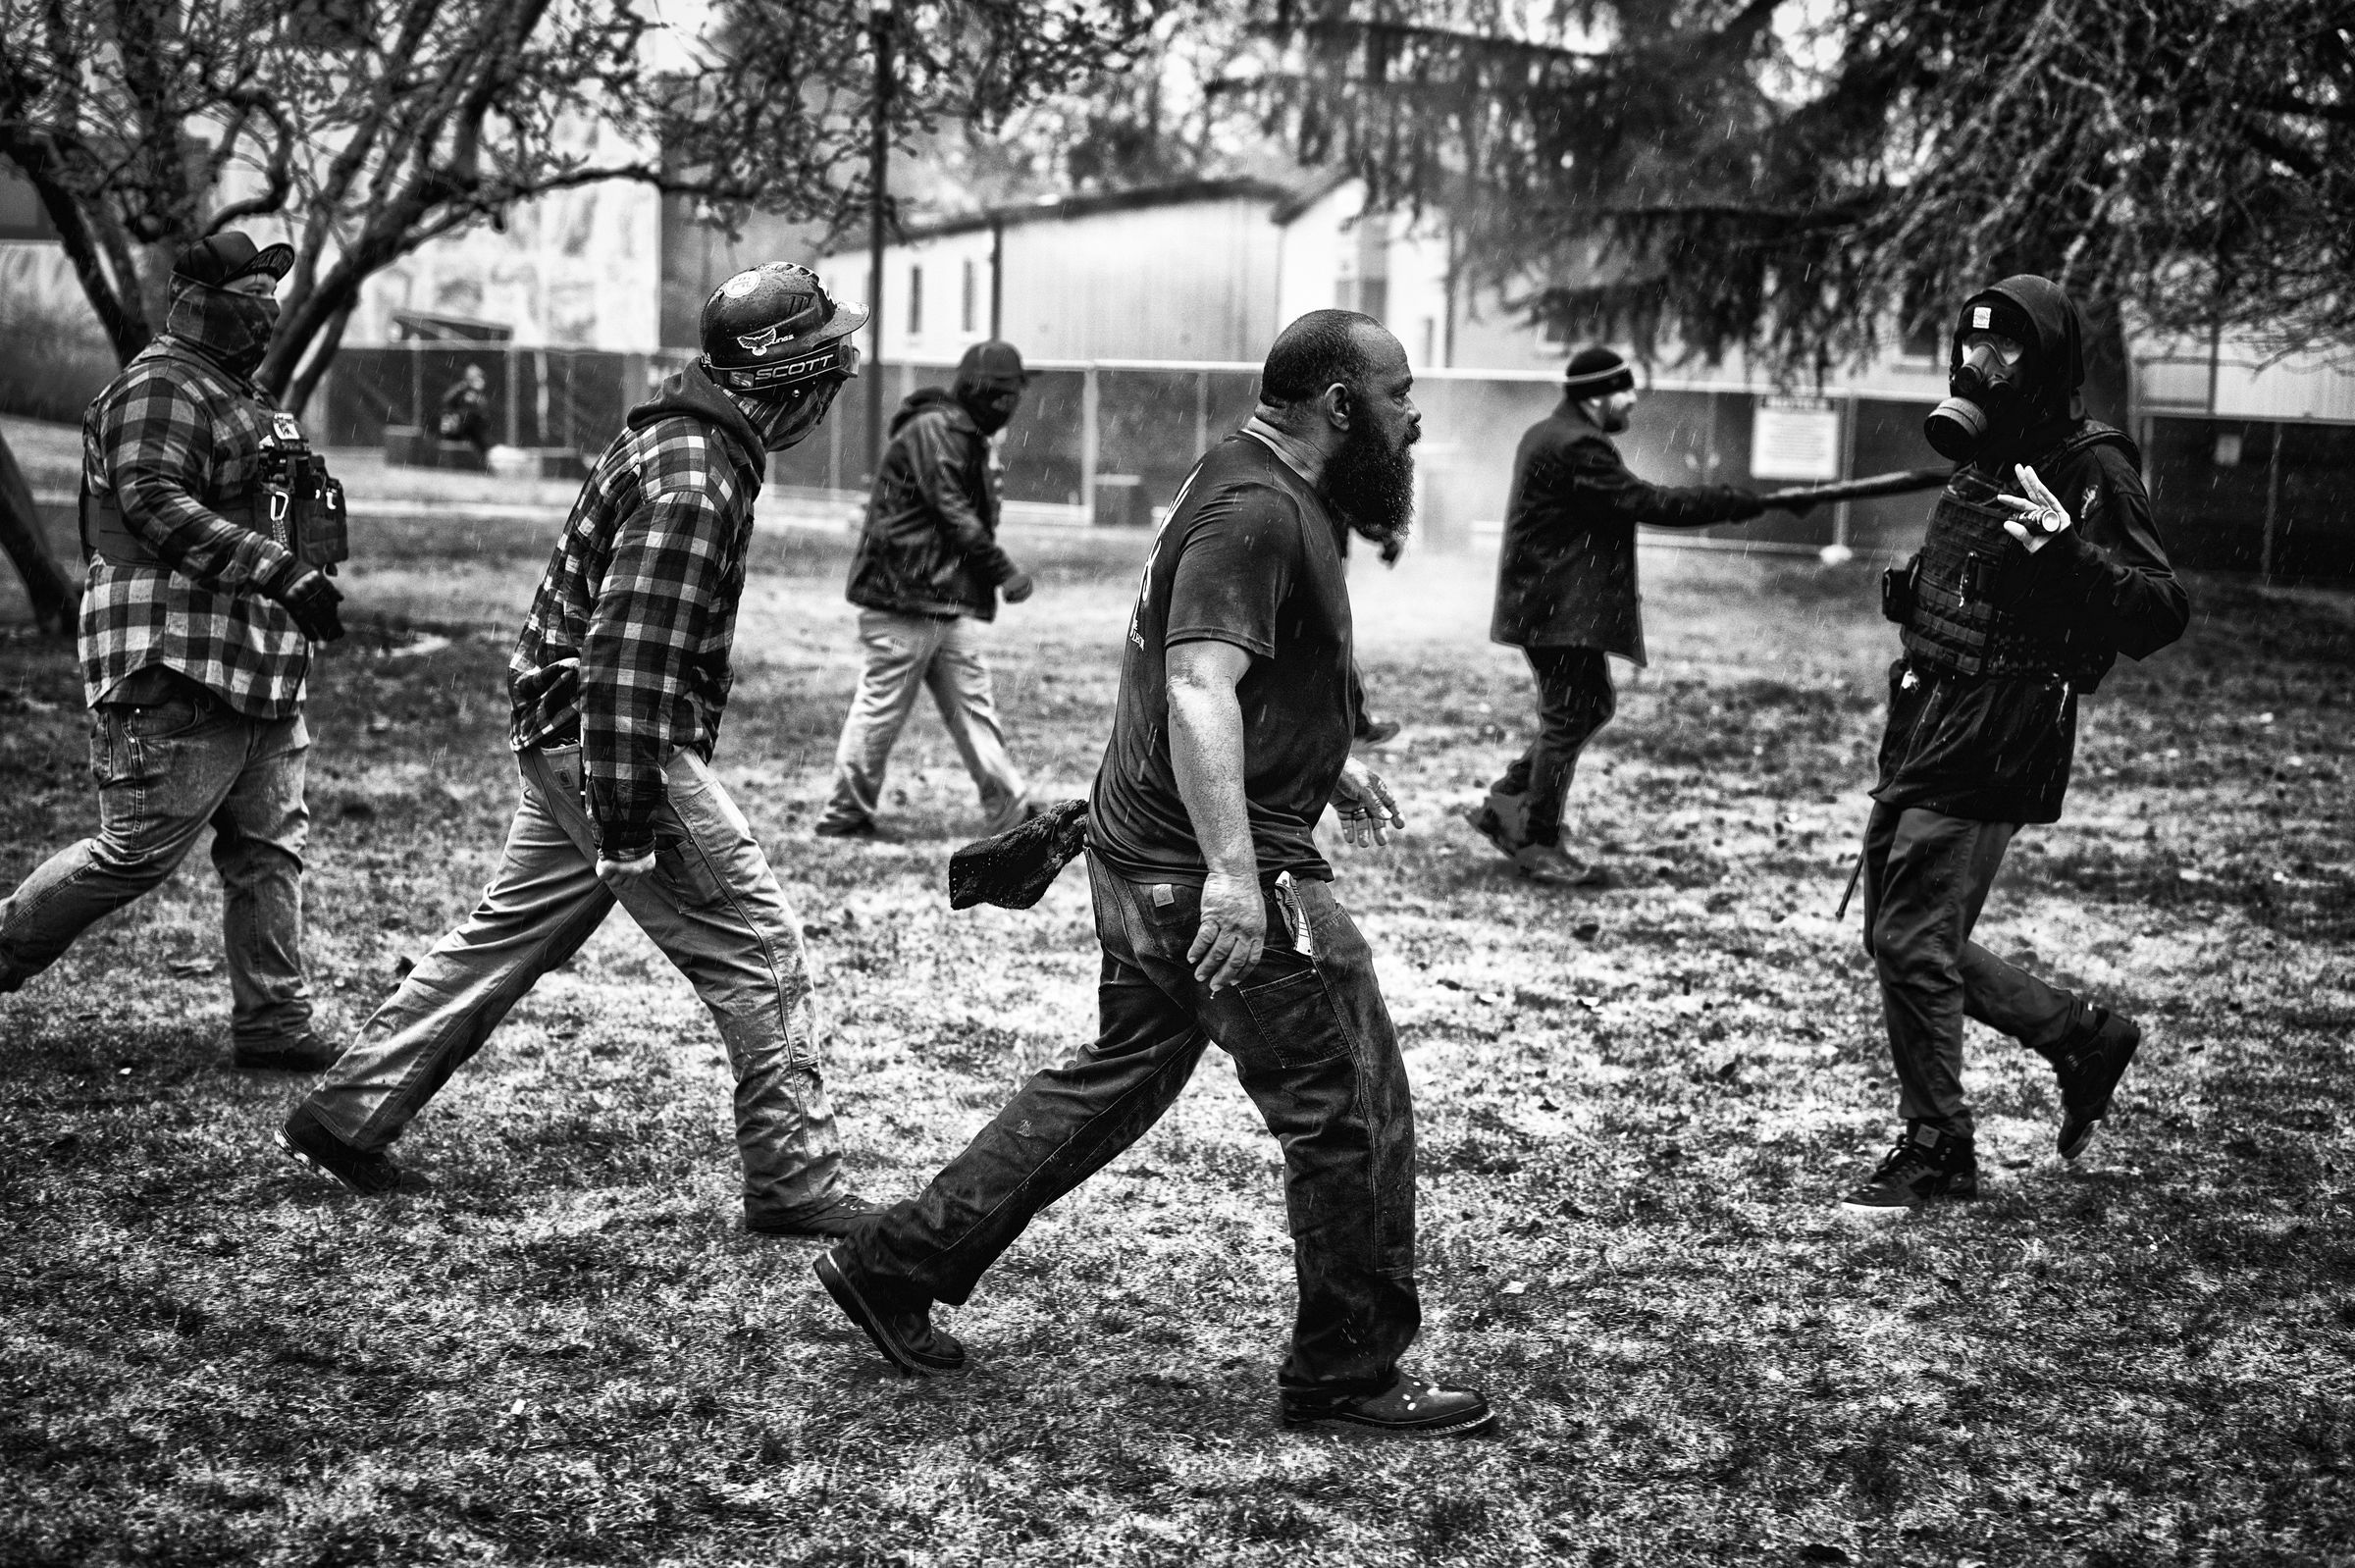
(310, 599)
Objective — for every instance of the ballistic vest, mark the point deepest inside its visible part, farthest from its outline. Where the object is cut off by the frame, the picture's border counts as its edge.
(1956, 624)
(293, 500)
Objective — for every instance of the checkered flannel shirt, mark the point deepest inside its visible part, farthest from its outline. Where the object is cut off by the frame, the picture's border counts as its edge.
(626, 647)
(169, 438)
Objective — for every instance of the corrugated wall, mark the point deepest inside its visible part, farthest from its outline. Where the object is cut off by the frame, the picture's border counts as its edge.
(1191, 282)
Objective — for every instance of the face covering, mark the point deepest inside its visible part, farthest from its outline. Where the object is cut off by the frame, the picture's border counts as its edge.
(788, 420)
(1989, 399)
(991, 407)
(233, 329)
(1372, 483)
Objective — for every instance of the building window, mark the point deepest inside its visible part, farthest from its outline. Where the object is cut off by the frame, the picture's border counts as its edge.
(1431, 340)
(973, 277)
(915, 302)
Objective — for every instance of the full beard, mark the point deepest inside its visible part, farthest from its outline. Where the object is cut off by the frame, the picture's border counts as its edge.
(1372, 485)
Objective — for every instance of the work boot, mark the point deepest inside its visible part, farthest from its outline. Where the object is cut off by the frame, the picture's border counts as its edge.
(833, 1219)
(1377, 731)
(1486, 821)
(846, 827)
(2089, 1069)
(907, 1339)
(1556, 866)
(1925, 1166)
(308, 1140)
(293, 1053)
(1408, 1408)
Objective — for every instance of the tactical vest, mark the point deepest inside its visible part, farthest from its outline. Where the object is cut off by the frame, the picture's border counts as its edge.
(294, 501)
(1955, 624)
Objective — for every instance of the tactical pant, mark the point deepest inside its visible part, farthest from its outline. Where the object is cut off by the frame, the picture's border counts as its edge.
(906, 654)
(166, 771)
(1575, 698)
(1313, 1046)
(1926, 875)
(715, 909)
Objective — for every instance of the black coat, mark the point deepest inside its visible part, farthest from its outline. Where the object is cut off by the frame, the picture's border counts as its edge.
(1999, 748)
(1567, 574)
(931, 545)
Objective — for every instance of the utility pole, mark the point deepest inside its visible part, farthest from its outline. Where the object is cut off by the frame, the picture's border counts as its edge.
(880, 19)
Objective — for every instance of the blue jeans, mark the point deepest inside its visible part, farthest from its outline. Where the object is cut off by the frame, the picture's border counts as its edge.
(1926, 875)
(715, 909)
(1313, 1046)
(166, 771)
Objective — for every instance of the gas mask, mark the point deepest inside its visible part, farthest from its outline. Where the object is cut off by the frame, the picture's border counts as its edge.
(231, 326)
(1988, 397)
(785, 419)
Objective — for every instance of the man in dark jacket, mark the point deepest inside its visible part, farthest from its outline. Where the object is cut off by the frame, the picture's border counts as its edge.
(2041, 566)
(1566, 595)
(928, 566)
(616, 689)
(196, 629)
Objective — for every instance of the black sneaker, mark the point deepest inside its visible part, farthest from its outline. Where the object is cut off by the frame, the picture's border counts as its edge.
(299, 1053)
(833, 1219)
(1407, 1408)
(2089, 1073)
(1378, 732)
(908, 1338)
(308, 1139)
(1925, 1166)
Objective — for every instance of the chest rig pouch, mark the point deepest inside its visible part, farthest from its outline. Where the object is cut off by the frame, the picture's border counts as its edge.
(1955, 622)
(293, 500)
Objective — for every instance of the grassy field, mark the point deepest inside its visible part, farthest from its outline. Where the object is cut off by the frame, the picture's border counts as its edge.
(1635, 1109)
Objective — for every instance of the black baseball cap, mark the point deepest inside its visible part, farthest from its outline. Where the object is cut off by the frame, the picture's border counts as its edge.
(221, 259)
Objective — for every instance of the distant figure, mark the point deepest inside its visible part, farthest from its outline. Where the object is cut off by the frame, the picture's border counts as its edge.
(928, 565)
(2041, 565)
(1215, 911)
(617, 686)
(206, 519)
(1566, 597)
(466, 412)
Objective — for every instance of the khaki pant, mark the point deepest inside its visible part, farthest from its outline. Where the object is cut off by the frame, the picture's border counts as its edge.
(715, 909)
(906, 654)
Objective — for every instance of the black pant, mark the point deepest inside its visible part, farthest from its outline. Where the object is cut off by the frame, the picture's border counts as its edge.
(1575, 698)
(1313, 1046)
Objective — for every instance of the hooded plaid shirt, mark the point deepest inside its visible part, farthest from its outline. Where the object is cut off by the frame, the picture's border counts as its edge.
(627, 644)
(172, 438)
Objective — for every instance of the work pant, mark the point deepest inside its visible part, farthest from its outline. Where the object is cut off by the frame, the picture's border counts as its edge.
(1313, 1046)
(166, 771)
(1926, 876)
(906, 654)
(1575, 698)
(715, 909)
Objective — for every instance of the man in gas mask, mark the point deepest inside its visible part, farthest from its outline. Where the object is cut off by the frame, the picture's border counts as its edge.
(617, 685)
(2040, 567)
(206, 520)
(928, 566)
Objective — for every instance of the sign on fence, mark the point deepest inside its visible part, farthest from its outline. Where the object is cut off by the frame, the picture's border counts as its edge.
(1795, 438)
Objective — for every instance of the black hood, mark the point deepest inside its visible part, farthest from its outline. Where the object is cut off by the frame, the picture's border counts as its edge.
(924, 397)
(2059, 345)
(692, 394)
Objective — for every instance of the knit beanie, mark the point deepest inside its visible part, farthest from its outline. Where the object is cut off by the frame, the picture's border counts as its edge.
(1597, 372)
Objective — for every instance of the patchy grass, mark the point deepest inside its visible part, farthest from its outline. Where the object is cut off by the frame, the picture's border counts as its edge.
(1634, 1107)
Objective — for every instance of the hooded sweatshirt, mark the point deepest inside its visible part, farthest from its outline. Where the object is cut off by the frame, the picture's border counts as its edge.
(626, 647)
(1999, 748)
(931, 545)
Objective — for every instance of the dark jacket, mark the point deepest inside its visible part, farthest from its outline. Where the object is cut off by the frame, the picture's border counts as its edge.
(1999, 748)
(1567, 574)
(931, 546)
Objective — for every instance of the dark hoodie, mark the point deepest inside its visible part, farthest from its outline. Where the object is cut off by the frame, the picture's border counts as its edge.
(1999, 748)
(931, 545)
(626, 646)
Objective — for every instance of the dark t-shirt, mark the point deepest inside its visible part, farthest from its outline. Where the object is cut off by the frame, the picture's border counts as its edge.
(1250, 557)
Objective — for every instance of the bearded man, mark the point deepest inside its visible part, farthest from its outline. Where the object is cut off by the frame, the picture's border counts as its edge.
(1215, 910)
(616, 687)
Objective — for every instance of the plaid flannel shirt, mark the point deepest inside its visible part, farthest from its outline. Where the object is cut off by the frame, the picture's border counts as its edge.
(626, 647)
(169, 438)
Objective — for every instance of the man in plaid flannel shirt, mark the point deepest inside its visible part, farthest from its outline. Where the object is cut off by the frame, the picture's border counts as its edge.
(195, 634)
(618, 682)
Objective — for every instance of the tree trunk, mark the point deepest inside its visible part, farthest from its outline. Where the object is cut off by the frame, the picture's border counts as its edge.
(2109, 372)
(53, 593)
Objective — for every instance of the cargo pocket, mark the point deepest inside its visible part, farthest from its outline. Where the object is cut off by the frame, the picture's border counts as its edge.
(1291, 1014)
